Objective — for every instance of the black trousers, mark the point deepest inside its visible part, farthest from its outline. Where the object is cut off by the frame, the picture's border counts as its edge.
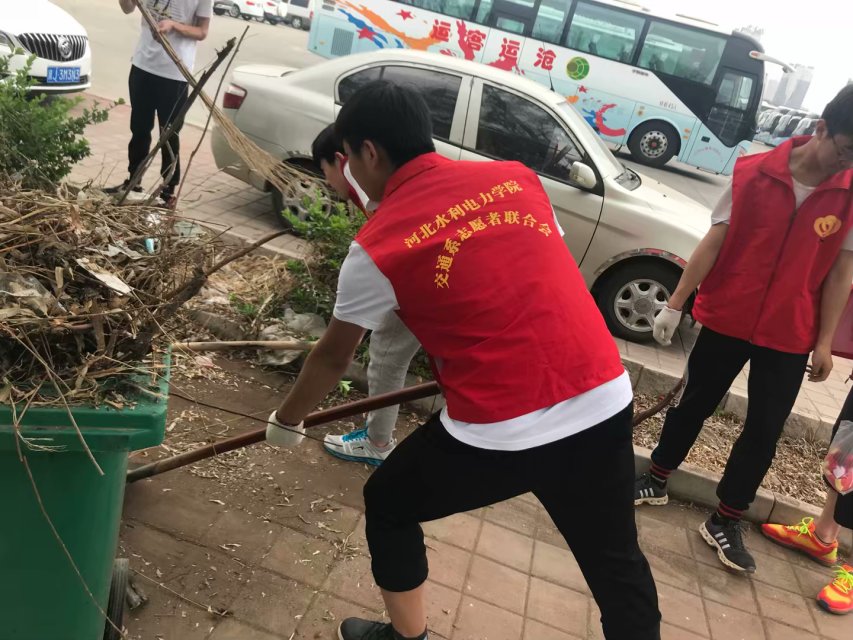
(150, 95)
(844, 506)
(585, 482)
(774, 382)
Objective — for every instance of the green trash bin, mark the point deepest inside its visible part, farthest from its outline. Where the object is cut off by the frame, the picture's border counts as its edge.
(41, 595)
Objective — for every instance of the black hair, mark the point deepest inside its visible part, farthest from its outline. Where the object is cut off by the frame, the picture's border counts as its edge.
(838, 114)
(325, 146)
(392, 116)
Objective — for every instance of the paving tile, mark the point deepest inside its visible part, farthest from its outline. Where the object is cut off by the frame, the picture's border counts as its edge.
(674, 570)
(352, 579)
(669, 632)
(784, 606)
(481, 621)
(182, 512)
(775, 571)
(272, 603)
(558, 607)
(558, 565)
(505, 546)
(732, 624)
(325, 615)
(673, 513)
(682, 609)
(460, 530)
(832, 626)
(497, 584)
(728, 588)
(778, 631)
(518, 515)
(547, 532)
(442, 605)
(303, 558)
(655, 535)
(813, 580)
(235, 630)
(448, 565)
(246, 537)
(537, 631)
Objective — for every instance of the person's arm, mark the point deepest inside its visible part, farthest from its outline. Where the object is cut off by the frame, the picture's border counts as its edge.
(197, 31)
(323, 369)
(703, 258)
(833, 298)
(127, 6)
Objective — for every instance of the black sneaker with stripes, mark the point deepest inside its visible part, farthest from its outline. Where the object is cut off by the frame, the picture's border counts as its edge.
(647, 491)
(727, 539)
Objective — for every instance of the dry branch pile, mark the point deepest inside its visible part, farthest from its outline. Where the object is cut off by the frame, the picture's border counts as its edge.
(86, 287)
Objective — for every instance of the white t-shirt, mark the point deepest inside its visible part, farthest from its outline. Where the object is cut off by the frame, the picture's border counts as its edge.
(366, 296)
(722, 213)
(150, 55)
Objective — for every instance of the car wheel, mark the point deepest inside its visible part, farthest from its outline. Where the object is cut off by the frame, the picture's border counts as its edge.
(219, 12)
(234, 11)
(654, 143)
(279, 203)
(296, 23)
(632, 295)
(247, 17)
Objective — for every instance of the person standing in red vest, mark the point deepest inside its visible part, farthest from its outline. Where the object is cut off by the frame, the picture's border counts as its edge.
(774, 274)
(471, 259)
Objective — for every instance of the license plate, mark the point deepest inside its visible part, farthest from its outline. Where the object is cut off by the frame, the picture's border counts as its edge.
(63, 75)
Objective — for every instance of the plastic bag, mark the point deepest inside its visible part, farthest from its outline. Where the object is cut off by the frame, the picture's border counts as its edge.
(838, 464)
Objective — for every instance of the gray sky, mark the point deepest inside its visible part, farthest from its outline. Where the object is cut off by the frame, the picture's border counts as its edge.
(819, 34)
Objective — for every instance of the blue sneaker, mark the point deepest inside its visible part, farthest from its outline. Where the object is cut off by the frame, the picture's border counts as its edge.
(356, 446)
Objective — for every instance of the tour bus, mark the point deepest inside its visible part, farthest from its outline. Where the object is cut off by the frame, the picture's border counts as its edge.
(665, 87)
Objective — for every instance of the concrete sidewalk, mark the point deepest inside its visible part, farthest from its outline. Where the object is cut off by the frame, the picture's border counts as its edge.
(226, 204)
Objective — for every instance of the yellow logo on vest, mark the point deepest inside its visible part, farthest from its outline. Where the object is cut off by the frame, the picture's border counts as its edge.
(826, 226)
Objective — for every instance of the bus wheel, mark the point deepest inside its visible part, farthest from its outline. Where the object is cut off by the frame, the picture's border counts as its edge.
(654, 143)
(632, 295)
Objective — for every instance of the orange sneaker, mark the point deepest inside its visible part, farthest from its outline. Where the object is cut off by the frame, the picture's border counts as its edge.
(801, 537)
(837, 596)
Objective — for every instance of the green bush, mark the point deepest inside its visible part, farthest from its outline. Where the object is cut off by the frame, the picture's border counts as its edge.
(330, 230)
(40, 139)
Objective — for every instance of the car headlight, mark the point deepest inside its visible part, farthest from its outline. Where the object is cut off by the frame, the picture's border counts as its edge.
(8, 40)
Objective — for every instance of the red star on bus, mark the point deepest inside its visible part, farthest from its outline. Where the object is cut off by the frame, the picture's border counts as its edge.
(406, 15)
(366, 33)
(581, 89)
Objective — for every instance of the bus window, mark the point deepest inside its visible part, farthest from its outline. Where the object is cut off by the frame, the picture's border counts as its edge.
(483, 11)
(455, 8)
(682, 51)
(550, 20)
(605, 32)
(512, 128)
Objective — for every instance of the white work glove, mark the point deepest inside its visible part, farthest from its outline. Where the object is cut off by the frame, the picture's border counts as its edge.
(284, 435)
(666, 323)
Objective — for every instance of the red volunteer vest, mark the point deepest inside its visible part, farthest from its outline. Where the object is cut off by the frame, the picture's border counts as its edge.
(485, 282)
(765, 286)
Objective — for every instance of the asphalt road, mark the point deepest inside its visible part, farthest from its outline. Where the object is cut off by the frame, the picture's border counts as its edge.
(113, 36)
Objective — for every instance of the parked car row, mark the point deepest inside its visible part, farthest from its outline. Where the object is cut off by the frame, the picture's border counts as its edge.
(296, 13)
(58, 44)
(630, 235)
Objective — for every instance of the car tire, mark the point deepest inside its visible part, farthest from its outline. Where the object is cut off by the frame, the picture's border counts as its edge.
(234, 11)
(632, 295)
(279, 204)
(247, 17)
(296, 23)
(219, 12)
(654, 143)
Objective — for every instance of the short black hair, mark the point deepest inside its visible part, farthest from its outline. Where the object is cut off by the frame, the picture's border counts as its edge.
(838, 114)
(325, 146)
(392, 116)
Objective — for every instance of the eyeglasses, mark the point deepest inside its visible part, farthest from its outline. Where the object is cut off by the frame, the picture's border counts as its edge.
(845, 154)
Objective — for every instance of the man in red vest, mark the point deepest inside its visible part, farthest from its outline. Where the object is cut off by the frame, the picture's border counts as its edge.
(774, 274)
(469, 256)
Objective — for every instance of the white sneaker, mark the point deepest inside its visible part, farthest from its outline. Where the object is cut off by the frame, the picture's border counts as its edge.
(357, 447)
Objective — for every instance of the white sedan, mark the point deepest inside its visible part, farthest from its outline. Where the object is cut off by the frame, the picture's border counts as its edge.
(58, 44)
(630, 235)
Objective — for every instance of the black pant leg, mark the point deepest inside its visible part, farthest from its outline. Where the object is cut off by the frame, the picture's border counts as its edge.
(774, 382)
(713, 365)
(143, 106)
(172, 95)
(591, 476)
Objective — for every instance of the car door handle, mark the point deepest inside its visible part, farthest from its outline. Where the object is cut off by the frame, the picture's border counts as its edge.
(706, 139)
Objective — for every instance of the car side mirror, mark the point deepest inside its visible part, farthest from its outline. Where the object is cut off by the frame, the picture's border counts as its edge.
(582, 175)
